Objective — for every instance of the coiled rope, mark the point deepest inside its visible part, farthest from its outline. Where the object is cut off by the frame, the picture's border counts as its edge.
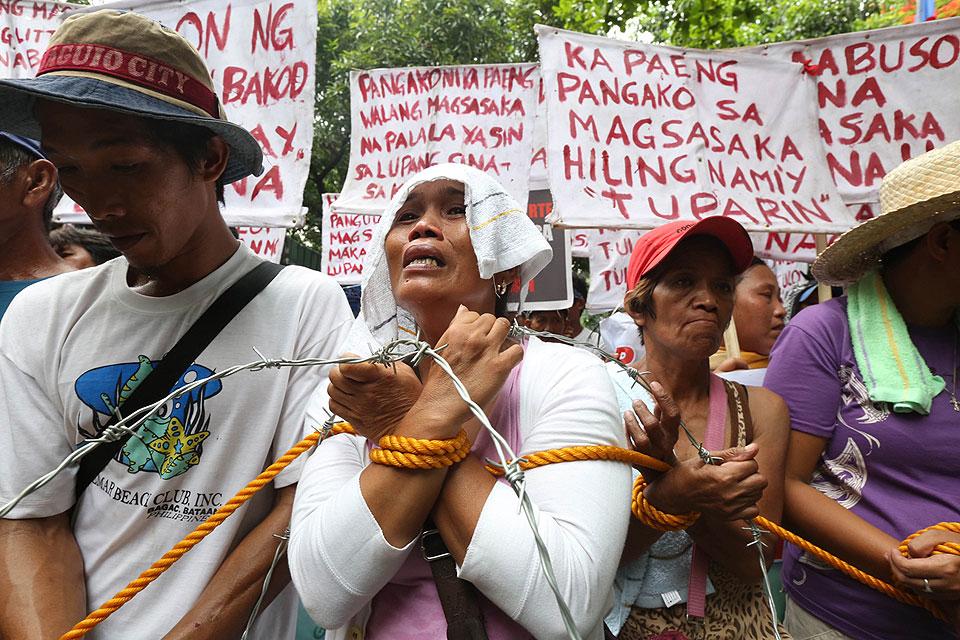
(412, 453)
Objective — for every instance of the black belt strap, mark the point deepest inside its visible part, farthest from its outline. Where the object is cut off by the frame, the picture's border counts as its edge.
(172, 366)
(459, 598)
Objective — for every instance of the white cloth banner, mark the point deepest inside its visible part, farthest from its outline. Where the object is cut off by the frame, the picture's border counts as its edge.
(261, 55)
(883, 97)
(790, 273)
(538, 160)
(345, 239)
(25, 29)
(794, 247)
(609, 256)
(580, 243)
(640, 134)
(620, 336)
(266, 242)
(404, 120)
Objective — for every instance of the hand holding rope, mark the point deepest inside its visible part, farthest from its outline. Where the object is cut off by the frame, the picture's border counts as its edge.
(509, 464)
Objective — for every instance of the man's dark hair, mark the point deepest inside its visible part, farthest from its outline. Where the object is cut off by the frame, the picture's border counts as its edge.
(188, 141)
(12, 157)
(93, 241)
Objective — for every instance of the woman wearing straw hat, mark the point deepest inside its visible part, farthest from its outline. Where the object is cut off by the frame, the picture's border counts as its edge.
(871, 382)
(447, 248)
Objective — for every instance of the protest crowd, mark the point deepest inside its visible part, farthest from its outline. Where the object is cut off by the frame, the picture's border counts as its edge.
(755, 444)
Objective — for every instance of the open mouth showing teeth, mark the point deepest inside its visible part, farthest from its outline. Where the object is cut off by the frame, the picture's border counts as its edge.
(426, 262)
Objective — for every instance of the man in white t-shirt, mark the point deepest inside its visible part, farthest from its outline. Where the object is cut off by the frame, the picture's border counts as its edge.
(126, 110)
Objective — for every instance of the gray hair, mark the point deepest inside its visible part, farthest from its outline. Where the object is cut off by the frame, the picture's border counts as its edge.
(12, 158)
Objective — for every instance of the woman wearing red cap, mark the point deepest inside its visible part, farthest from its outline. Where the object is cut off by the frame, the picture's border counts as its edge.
(701, 578)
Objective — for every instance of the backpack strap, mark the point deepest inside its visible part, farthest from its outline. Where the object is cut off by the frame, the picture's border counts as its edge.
(159, 382)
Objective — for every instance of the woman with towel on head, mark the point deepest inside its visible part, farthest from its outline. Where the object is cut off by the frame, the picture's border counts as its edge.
(871, 382)
(447, 248)
(698, 577)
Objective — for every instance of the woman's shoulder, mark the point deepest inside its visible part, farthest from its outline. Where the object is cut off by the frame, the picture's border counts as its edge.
(767, 409)
(567, 397)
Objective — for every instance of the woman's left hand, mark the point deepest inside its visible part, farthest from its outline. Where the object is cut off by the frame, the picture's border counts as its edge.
(660, 429)
(373, 398)
(931, 576)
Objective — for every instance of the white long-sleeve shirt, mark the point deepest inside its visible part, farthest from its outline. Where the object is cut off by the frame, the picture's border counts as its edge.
(340, 559)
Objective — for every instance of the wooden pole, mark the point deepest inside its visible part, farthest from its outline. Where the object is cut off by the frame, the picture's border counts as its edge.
(731, 341)
(824, 292)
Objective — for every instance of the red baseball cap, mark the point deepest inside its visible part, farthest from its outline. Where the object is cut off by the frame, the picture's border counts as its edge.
(653, 247)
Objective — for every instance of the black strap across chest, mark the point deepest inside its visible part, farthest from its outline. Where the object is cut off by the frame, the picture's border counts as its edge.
(174, 363)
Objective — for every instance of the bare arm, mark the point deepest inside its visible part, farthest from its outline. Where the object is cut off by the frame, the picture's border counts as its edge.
(225, 605)
(457, 511)
(749, 483)
(725, 540)
(41, 578)
(823, 521)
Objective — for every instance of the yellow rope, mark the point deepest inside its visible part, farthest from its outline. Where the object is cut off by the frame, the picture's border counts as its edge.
(206, 528)
(585, 452)
(653, 517)
(405, 452)
(625, 455)
(415, 453)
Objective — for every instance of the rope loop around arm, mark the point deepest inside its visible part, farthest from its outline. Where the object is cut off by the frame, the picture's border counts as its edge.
(653, 517)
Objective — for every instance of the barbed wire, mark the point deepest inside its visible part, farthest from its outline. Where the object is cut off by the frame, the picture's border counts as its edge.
(284, 540)
(390, 354)
(517, 331)
(132, 422)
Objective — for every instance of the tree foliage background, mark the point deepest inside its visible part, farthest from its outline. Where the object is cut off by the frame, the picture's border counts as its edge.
(368, 34)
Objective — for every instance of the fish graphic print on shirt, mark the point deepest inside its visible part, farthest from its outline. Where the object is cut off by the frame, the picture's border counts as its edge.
(170, 442)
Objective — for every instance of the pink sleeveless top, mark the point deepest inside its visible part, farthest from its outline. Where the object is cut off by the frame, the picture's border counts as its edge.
(408, 607)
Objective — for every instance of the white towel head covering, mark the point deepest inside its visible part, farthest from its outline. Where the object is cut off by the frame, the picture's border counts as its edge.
(502, 235)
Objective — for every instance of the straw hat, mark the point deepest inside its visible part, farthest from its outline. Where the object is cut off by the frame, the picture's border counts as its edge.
(122, 61)
(913, 197)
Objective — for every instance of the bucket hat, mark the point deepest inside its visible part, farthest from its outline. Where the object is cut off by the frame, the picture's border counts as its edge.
(122, 61)
(913, 197)
(653, 247)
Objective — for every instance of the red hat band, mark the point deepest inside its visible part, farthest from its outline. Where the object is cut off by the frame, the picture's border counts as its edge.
(134, 68)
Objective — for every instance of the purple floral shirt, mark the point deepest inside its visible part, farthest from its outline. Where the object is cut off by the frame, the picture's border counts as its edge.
(899, 472)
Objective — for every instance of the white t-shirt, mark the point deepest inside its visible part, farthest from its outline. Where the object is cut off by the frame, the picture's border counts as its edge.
(339, 558)
(67, 347)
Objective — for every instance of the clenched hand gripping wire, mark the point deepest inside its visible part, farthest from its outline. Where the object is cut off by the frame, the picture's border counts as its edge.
(705, 456)
(899, 595)
(389, 353)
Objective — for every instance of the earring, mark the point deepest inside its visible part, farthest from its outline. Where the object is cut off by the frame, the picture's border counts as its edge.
(500, 288)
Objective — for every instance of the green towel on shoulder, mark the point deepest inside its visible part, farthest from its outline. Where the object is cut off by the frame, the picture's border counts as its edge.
(893, 370)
